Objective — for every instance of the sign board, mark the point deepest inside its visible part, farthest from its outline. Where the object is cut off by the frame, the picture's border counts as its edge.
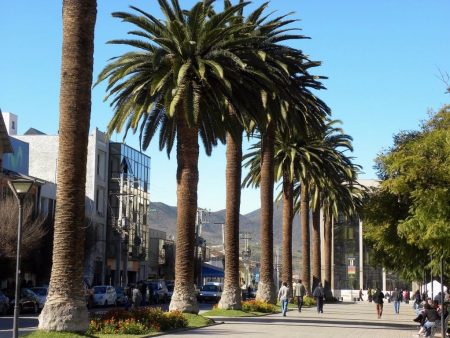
(351, 270)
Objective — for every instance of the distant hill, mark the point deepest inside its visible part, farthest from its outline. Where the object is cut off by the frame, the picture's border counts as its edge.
(164, 217)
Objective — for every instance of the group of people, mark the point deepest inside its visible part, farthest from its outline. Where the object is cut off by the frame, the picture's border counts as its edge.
(430, 312)
(300, 293)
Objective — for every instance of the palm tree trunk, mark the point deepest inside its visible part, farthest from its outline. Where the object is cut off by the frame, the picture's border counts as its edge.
(231, 296)
(316, 266)
(65, 308)
(288, 215)
(184, 298)
(327, 238)
(304, 219)
(266, 287)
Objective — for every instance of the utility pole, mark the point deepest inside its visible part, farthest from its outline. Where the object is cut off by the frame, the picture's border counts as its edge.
(202, 217)
(246, 255)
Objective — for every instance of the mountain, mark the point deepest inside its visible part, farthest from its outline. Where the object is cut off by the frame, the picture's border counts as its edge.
(164, 217)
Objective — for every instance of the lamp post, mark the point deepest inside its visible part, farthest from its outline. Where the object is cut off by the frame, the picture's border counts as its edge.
(20, 188)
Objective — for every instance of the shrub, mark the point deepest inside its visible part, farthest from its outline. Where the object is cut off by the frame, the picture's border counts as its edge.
(258, 306)
(307, 301)
(137, 321)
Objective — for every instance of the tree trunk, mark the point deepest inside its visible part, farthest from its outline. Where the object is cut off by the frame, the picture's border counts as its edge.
(327, 238)
(316, 266)
(184, 298)
(65, 308)
(304, 219)
(231, 295)
(266, 287)
(288, 215)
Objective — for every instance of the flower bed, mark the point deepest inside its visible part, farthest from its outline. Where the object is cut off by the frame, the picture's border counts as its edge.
(258, 306)
(138, 321)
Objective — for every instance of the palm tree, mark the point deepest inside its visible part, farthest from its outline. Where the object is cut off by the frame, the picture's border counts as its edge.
(65, 308)
(315, 238)
(181, 82)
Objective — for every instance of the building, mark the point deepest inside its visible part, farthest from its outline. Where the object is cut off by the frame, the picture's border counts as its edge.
(117, 183)
(128, 214)
(5, 144)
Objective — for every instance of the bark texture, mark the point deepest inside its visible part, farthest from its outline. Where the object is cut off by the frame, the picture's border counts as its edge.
(231, 296)
(266, 287)
(304, 220)
(316, 261)
(286, 247)
(184, 298)
(65, 308)
(327, 238)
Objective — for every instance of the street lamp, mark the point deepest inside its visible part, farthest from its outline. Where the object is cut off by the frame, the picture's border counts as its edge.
(20, 188)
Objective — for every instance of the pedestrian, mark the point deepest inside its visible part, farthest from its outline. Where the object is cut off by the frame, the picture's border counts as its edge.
(370, 295)
(378, 299)
(143, 290)
(319, 294)
(249, 291)
(360, 298)
(397, 298)
(299, 292)
(283, 296)
(417, 300)
(136, 298)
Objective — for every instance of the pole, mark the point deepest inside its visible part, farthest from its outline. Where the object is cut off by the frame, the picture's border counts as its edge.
(17, 293)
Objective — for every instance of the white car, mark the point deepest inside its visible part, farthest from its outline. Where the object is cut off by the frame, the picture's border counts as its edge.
(41, 293)
(210, 292)
(104, 295)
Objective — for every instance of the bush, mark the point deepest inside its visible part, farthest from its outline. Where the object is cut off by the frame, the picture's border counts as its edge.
(258, 306)
(307, 301)
(137, 321)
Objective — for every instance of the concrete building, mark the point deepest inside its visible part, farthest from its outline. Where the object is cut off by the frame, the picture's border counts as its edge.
(5, 144)
(117, 183)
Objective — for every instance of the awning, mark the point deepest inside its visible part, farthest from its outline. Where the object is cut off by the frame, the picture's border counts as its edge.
(212, 271)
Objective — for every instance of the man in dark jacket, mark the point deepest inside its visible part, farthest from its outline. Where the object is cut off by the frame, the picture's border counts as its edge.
(378, 299)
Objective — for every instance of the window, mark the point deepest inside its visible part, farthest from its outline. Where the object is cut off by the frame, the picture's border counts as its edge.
(101, 164)
(99, 200)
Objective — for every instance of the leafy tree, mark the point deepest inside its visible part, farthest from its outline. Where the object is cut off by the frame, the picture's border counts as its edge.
(413, 203)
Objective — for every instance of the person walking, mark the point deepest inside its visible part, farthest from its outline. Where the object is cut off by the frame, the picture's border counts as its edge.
(318, 294)
(299, 292)
(136, 297)
(360, 298)
(378, 297)
(397, 298)
(283, 295)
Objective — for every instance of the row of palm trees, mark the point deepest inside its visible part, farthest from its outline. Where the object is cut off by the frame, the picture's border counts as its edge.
(217, 76)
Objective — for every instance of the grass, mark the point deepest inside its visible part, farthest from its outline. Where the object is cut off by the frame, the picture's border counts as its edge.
(194, 321)
(231, 313)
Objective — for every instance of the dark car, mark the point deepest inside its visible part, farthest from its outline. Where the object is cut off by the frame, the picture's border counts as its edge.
(28, 301)
(157, 291)
(4, 304)
(122, 298)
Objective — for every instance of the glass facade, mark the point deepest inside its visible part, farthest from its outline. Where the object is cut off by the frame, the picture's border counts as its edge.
(129, 205)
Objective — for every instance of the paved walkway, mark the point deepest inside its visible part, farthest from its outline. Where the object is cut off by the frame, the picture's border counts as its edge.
(339, 320)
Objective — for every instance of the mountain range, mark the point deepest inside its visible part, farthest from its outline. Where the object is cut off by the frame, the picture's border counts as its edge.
(164, 217)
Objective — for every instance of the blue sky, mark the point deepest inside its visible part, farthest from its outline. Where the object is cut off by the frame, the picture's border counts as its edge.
(382, 59)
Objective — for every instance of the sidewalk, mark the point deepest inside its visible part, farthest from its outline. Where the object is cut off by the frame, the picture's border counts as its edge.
(338, 320)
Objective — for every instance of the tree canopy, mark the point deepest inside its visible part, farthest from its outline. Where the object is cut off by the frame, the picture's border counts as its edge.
(408, 219)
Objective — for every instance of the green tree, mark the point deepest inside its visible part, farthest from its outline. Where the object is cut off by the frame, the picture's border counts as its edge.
(65, 308)
(181, 81)
(415, 175)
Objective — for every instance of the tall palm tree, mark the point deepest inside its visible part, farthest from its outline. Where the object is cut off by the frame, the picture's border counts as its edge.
(180, 81)
(65, 308)
(315, 239)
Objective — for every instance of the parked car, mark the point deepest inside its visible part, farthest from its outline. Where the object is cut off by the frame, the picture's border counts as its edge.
(122, 298)
(41, 293)
(4, 304)
(170, 288)
(28, 301)
(157, 291)
(210, 292)
(104, 295)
